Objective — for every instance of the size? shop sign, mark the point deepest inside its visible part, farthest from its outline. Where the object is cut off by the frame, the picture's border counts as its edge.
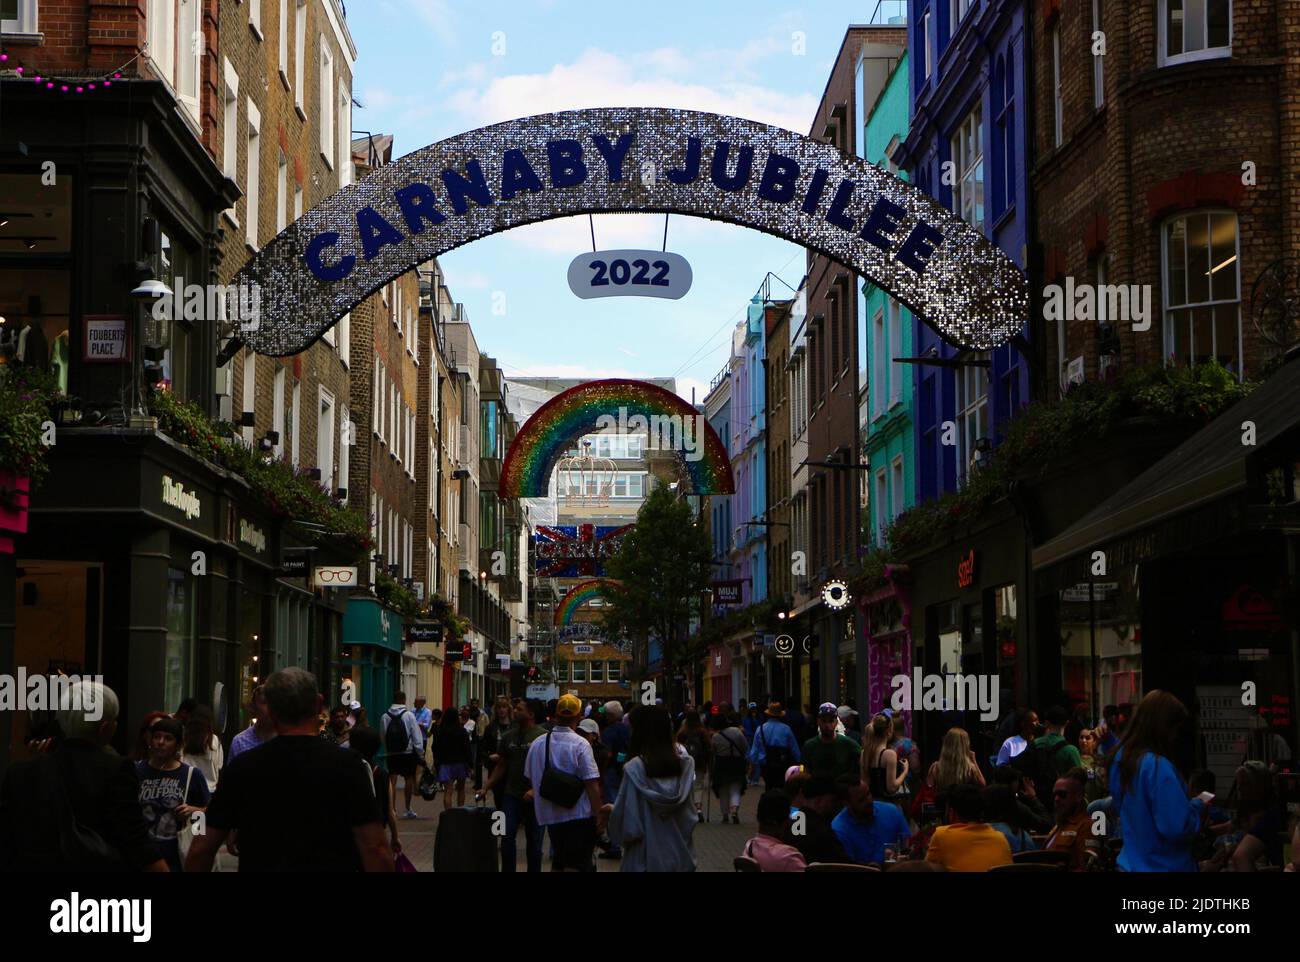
(966, 570)
(630, 274)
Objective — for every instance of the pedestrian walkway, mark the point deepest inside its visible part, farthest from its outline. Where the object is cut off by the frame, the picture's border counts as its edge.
(715, 844)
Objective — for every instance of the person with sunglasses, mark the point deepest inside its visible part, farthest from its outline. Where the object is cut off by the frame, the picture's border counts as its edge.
(1073, 825)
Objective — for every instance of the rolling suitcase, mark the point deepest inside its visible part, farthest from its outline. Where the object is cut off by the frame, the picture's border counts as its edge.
(465, 842)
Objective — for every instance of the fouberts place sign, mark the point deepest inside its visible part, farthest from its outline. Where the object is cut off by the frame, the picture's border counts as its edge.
(633, 159)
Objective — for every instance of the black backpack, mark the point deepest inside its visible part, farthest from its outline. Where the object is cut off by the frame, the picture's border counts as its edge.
(397, 741)
(1039, 765)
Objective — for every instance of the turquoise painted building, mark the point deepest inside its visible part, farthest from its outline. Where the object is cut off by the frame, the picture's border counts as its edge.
(372, 653)
(886, 404)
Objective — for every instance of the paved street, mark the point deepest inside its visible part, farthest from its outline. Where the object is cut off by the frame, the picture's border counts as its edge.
(715, 844)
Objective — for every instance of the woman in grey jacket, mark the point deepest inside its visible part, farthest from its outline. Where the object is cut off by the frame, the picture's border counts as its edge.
(654, 818)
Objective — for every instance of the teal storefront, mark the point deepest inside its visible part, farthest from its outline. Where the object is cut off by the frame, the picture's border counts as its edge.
(371, 653)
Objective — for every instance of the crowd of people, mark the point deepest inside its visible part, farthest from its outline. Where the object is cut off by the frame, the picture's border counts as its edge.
(302, 788)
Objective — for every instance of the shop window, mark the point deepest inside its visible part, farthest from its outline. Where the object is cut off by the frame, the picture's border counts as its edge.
(1114, 620)
(182, 632)
(1202, 289)
(1194, 30)
(972, 415)
(177, 266)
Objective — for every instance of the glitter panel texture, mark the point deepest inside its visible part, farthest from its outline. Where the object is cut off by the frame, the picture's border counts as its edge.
(963, 285)
(553, 427)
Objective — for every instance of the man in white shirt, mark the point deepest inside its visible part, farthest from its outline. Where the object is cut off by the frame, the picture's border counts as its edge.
(574, 828)
(403, 747)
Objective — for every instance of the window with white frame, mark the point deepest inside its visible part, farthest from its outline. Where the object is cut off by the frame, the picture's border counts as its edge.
(277, 411)
(1058, 102)
(282, 194)
(293, 422)
(882, 505)
(1194, 30)
(1202, 289)
(972, 413)
(877, 389)
(1098, 60)
(957, 10)
(325, 440)
(893, 349)
(929, 44)
(18, 17)
(326, 102)
(254, 176)
(896, 487)
(345, 339)
(968, 156)
(176, 48)
(374, 399)
(255, 17)
(345, 135)
(374, 532)
(230, 126)
(297, 201)
(347, 431)
(299, 52)
(283, 25)
(250, 393)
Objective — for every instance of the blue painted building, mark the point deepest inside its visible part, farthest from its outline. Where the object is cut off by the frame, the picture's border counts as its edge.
(748, 449)
(967, 147)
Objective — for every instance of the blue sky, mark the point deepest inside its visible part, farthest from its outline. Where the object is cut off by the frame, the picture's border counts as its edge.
(428, 69)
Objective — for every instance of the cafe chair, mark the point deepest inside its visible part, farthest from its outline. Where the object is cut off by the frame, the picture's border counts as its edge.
(1028, 867)
(1043, 857)
(743, 863)
(840, 867)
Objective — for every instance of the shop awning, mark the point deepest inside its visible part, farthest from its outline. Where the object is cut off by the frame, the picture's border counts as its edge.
(1206, 467)
(367, 622)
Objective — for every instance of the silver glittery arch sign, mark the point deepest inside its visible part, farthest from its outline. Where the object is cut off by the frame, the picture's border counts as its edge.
(651, 160)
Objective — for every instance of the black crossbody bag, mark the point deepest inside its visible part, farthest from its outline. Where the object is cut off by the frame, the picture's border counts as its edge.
(559, 788)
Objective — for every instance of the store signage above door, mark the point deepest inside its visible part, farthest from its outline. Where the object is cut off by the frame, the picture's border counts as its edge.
(424, 631)
(252, 535)
(966, 570)
(334, 577)
(175, 496)
(1100, 591)
(632, 159)
(295, 566)
(727, 592)
(630, 274)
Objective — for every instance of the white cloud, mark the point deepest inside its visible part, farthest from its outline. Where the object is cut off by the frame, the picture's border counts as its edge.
(437, 14)
(598, 78)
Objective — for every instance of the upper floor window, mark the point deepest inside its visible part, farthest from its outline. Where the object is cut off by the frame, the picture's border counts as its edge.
(1098, 60)
(326, 103)
(972, 415)
(18, 16)
(968, 157)
(957, 10)
(255, 17)
(1202, 289)
(928, 44)
(1058, 99)
(1194, 30)
(176, 47)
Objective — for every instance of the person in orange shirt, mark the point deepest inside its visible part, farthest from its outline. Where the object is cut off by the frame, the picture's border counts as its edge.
(967, 843)
(1073, 826)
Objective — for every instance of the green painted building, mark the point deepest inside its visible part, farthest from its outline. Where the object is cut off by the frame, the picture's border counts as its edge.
(885, 407)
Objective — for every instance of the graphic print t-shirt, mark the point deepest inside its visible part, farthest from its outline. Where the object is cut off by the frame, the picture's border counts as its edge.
(161, 793)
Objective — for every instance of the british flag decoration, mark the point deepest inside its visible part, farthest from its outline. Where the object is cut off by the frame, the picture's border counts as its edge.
(576, 551)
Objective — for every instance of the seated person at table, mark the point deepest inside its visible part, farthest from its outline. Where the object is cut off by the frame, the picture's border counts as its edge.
(865, 826)
(967, 843)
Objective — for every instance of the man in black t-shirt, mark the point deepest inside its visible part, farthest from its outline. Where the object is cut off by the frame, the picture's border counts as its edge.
(809, 829)
(298, 802)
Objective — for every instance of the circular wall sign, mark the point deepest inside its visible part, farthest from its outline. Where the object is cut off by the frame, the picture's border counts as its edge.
(835, 594)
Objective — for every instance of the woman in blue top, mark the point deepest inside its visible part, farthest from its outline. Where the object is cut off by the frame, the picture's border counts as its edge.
(1159, 821)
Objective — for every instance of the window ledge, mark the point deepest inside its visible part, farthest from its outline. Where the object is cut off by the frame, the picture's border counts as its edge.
(328, 161)
(37, 38)
(257, 31)
(230, 215)
(284, 79)
(302, 114)
(251, 248)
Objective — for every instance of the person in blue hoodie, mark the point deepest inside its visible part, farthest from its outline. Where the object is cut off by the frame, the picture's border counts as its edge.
(1159, 822)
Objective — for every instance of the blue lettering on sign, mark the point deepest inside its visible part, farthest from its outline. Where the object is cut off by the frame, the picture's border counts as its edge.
(614, 154)
(418, 204)
(745, 163)
(517, 174)
(474, 187)
(691, 171)
(881, 223)
(780, 175)
(839, 203)
(376, 233)
(317, 247)
(815, 188)
(920, 244)
(567, 168)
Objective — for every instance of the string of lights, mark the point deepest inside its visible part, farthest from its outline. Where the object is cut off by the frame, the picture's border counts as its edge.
(67, 85)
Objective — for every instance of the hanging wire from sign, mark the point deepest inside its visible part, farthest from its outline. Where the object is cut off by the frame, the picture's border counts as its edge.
(592, 220)
(665, 233)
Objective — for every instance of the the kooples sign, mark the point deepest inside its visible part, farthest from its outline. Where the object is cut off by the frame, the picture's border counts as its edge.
(175, 496)
(634, 159)
(252, 536)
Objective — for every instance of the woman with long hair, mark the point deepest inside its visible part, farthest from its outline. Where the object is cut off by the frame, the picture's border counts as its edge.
(202, 747)
(956, 764)
(695, 739)
(1159, 822)
(653, 819)
(451, 746)
(728, 768)
(881, 768)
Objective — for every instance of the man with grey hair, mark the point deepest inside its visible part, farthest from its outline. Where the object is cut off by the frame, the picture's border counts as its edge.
(617, 736)
(298, 802)
(76, 809)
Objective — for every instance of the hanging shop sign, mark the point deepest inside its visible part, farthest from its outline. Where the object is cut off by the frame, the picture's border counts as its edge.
(784, 646)
(966, 570)
(727, 592)
(835, 595)
(630, 273)
(424, 631)
(295, 566)
(632, 159)
(334, 577)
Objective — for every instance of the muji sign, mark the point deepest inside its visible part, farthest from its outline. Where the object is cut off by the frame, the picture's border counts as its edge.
(633, 159)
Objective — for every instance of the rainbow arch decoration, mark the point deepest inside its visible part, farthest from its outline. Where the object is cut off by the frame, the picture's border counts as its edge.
(635, 406)
(579, 595)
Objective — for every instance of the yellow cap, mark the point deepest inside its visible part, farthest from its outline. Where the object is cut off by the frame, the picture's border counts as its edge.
(568, 707)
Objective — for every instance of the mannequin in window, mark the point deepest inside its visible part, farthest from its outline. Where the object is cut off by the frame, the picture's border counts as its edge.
(59, 359)
(32, 349)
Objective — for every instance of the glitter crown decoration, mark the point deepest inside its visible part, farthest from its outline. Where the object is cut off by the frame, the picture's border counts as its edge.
(626, 159)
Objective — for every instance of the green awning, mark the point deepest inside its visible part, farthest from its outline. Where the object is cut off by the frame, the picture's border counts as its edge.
(367, 622)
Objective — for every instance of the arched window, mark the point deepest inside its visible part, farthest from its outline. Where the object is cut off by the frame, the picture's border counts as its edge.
(1202, 289)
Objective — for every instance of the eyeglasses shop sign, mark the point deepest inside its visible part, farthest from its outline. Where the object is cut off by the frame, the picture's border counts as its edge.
(330, 577)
